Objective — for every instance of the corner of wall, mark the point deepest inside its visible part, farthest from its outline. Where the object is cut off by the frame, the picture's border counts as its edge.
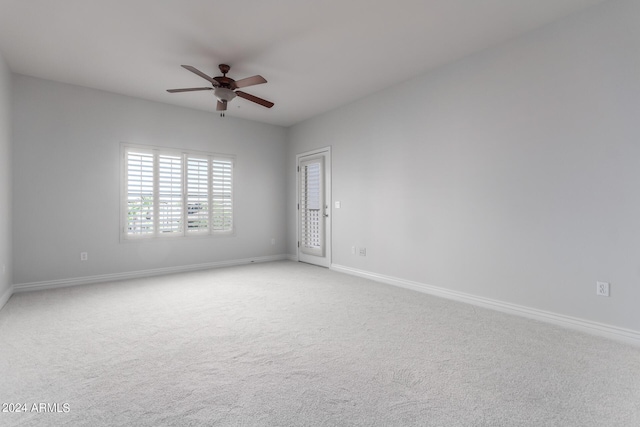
(290, 237)
(6, 183)
(5, 296)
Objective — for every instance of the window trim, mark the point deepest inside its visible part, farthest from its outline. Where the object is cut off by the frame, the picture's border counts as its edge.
(184, 154)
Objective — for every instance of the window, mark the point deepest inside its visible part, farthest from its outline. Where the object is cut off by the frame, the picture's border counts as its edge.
(311, 220)
(174, 193)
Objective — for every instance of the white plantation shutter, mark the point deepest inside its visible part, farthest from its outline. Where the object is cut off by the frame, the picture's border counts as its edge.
(222, 200)
(140, 192)
(170, 194)
(311, 199)
(163, 187)
(197, 194)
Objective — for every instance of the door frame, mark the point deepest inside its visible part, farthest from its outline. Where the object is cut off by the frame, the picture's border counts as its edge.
(326, 151)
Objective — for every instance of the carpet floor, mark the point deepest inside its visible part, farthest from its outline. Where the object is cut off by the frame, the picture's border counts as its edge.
(289, 344)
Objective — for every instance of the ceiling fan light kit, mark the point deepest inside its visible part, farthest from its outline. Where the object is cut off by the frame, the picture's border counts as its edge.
(224, 88)
(223, 94)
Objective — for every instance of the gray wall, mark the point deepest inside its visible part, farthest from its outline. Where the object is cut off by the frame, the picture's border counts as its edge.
(5, 180)
(67, 181)
(513, 174)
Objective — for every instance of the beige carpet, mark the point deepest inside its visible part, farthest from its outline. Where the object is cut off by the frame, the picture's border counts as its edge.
(289, 344)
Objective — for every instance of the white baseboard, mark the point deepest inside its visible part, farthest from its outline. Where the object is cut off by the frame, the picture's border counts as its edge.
(292, 257)
(75, 281)
(4, 297)
(619, 334)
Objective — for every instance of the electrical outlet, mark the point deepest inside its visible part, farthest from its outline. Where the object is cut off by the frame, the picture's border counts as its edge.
(363, 251)
(337, 204)
(602, 289)
(84, 256)
(353, 250)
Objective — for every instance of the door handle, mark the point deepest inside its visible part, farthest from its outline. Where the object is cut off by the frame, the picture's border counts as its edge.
(325, 215)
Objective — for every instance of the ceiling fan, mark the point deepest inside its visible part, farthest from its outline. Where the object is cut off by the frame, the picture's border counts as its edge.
(224, 88)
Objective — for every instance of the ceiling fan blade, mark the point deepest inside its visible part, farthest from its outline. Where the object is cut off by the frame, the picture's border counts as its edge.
(222, 106)
(250, 81)
(255, 99)
(200, 73)
(190, 89)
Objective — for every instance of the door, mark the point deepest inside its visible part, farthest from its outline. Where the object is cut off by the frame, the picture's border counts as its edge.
(314, 198)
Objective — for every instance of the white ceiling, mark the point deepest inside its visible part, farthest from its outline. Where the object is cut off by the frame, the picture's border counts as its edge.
(315, 54)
